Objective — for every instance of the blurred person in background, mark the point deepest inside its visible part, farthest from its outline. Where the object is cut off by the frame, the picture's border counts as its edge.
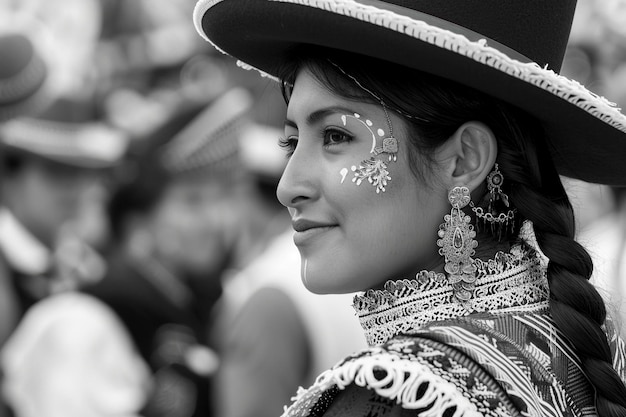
(24, 81)
(273, 334)
(147, 45)
(134, 343)
(25, 90)
(144, 43)
(49, 162)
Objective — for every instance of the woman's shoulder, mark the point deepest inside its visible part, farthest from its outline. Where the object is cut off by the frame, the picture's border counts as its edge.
(407, 373)
(474, 366)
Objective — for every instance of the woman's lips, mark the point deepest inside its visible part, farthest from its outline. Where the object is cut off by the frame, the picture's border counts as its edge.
(308, 229)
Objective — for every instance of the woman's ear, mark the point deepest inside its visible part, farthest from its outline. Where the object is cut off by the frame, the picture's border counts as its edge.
(469, 155)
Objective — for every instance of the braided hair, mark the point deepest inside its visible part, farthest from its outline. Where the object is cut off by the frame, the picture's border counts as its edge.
(434, 108)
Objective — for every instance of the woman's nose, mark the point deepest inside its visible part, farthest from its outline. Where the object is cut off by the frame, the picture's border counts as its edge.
(298, 184)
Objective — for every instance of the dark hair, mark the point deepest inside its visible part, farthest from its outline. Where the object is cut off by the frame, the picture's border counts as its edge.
(438, 107)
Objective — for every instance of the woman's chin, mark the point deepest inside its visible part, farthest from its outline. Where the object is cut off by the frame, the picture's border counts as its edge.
(327, 282)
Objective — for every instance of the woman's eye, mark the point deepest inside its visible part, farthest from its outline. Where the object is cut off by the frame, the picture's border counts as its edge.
(335, 137)
(288, 144)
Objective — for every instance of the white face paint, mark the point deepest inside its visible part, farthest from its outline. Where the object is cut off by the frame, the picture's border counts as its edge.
(303, 273)
(372, 170)
(343, 173)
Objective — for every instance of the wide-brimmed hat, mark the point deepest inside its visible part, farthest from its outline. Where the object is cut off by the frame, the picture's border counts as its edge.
(511, 50)
(67, 132)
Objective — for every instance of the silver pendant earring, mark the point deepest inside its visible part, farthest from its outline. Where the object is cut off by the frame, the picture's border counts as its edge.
(498, 216)
(457, 246)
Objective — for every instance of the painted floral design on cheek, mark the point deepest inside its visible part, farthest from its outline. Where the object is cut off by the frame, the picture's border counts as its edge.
(374, 170)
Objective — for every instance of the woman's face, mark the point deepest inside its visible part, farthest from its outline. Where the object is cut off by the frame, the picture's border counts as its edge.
(351, 237)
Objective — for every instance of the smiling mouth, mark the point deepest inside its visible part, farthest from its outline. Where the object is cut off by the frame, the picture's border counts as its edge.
(305, 230)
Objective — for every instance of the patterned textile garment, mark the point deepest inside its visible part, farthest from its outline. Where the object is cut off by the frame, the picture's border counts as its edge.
(429, 356)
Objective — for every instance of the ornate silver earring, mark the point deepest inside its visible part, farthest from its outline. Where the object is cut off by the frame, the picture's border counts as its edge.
(500, 222)
(457, 246)
(375, 170)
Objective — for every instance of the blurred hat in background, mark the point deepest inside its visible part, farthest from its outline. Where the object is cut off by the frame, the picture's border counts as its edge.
(210, 139)
(197, 142)
(68, 132)
(23, 75)
(64, 32)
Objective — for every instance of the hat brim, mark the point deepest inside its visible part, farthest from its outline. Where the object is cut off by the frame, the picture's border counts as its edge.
(85, 145)
(587, 134)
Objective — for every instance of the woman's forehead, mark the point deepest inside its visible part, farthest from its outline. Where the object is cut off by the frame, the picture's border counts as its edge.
(310, 96)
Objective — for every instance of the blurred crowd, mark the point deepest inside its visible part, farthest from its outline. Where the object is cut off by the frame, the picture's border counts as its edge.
(596, 57)
(146, 267)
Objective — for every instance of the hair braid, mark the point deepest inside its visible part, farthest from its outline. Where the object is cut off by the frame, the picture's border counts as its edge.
(576, 306)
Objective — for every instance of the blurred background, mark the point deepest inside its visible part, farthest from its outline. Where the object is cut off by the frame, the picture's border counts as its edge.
(146, 267)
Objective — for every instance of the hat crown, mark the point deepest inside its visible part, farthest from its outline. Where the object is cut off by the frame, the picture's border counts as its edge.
(537, 29)
(16, 52)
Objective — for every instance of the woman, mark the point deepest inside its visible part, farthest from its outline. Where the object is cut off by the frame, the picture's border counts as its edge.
(425, 141)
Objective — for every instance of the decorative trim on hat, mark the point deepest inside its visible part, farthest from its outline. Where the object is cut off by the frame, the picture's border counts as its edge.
(201, 7)
(546, 79)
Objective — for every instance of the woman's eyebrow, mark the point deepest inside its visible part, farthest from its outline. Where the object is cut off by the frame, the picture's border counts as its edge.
(289, 123)
(318, 115)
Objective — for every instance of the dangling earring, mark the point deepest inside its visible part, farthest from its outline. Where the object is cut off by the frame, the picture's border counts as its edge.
(500, 222)
(457, 246)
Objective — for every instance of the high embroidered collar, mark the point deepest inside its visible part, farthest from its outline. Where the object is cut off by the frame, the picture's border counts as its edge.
(510, 282)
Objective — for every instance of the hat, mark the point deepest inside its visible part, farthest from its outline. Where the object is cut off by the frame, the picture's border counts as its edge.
(511, 50)
(66, 133)
(209, 140)
(23, 76)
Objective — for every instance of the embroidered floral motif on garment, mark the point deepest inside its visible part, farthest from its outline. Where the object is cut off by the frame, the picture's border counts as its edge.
(510, 282)
(415, 373)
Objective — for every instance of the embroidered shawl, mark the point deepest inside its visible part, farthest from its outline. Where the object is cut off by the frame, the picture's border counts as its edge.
(430, 356)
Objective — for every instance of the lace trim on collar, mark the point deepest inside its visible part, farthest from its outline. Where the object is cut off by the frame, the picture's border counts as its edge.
(510, 282)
